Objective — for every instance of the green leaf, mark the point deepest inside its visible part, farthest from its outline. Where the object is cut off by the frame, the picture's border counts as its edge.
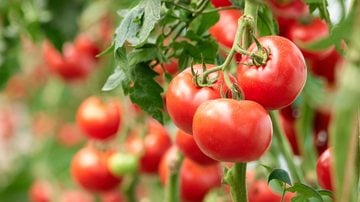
(145, 92)
(138, 23)
(202, 23)
(143, 54)
(266, 23)
(114, 80)
(326, 193)
(281, 175)
(321, 5)
(305, 191)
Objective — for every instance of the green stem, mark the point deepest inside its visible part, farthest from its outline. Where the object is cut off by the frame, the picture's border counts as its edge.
(172, 187)
(219, 9)
(250, 16)
(285, 148)
(237, 182)
(130, 189)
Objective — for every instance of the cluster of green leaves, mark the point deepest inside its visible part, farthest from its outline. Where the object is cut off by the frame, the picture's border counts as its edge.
(303, 191)
(150, 34)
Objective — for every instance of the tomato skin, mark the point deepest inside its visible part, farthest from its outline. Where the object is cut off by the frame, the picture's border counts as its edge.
(277, 83)
(188, 146)
(89, 168)
(232, 131)
(183, 97)
(260, 191)
(195, 180)
(85, 45)
(327, 66)
(40, 191)
(321, 130)
(97, 119)
(221, 3)
(76, 195)
(303, 34)
(150, 149)
(323, 170)
(224, 30)
(288, 9)
(70, 66)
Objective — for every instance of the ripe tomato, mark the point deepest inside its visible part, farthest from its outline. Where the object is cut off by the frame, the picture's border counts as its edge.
(321, 130)
(260, 191)
(327, 66)
(40, 191)
(99, 120)
(187, 145)
(221, 3)
(304, 34)
(323, 170)
(232, 131)
(287, 12)
(277, 83)
(89, 168)
(151, 148)
(195, 180)
(70, 66)
(224, 30)
(85, 45)
(113, 196)
(183, 96)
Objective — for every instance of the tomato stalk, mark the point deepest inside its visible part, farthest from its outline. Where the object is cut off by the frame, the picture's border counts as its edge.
(130, 189)
(285, 149)
(236, 178)
(172, 187)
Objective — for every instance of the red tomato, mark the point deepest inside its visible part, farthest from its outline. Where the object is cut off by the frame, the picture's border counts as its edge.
(183, 96)
(151, 148)
(321, 129)
(170, 68)
(71, 66)
(76, 196)
(221, 3)
(288, 12)
(232, 131)
(195, 180)
(89, 168)
(277, 83)
(288, 8)
(97, 119)
(40, 191)
(326, 67)
(85, 45)
(304, 34)
(224, 30)
(260, 191)
(187, 145)
(323, 170)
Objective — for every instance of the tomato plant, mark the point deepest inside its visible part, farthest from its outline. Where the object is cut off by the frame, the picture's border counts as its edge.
(323, 170)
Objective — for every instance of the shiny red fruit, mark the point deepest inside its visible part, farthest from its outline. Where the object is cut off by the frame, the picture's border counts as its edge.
(183, 96)
(278, 82)
(260, 191)
(97, 119)
(232, 131)
(221, 3)
(89, 168)
(189, 148)
(195, 180)
(323, 170)
(151, 147)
